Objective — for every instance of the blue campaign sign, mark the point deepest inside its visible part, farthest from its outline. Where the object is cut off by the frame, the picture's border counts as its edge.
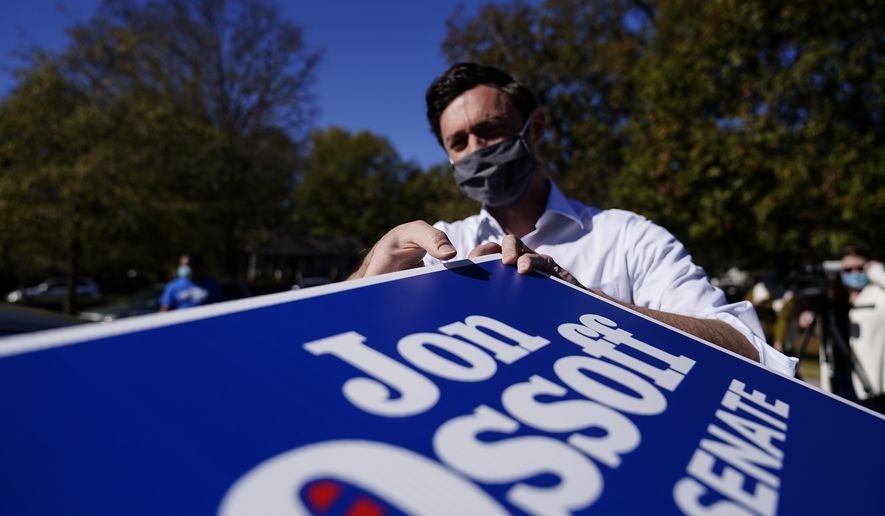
(460, 389)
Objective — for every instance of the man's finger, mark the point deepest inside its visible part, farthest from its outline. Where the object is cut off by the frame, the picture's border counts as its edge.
(404, 247)
(485, 249)
(427, 237)
(511, 249)
(536, 262)
(543, 263)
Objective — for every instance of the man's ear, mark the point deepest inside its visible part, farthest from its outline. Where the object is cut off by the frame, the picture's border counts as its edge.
(536, 129)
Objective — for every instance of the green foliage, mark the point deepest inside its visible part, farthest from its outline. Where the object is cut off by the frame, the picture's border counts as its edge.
(434, 196)
(165, 126)
(753, 130)
(351, 186)
(760, 134)
(357, 185)
(577, 57)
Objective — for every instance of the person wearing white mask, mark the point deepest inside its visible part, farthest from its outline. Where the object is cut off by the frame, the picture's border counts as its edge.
(865, 280)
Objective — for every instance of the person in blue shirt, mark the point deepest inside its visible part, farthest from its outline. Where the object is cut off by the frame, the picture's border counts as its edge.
(191, 288)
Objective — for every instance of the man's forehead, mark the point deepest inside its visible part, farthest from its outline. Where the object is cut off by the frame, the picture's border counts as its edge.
(475, 105)
(853, 259)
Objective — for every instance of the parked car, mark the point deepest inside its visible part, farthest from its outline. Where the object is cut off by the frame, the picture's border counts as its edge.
(53, 291)
(15, 319)
(145, 301)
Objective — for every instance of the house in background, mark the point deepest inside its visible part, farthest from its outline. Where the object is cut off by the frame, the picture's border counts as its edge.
(279, 262)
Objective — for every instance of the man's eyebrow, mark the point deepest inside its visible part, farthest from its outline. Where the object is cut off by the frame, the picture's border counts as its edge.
(493, 120)
(482, 124)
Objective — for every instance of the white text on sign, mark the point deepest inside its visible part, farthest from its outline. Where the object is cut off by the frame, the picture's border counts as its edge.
(742, 441)
(621, 376)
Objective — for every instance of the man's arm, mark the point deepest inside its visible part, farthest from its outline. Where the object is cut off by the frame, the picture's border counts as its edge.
(720, 333)
(514, 252)
(404, 247)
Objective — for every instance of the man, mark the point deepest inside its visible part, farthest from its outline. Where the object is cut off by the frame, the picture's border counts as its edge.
(191, 287)
(865, 281)
(489, 126)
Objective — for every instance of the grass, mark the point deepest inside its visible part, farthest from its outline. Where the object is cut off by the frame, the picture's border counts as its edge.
(809, 366)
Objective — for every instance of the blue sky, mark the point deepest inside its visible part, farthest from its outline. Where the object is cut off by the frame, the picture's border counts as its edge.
(378, 58)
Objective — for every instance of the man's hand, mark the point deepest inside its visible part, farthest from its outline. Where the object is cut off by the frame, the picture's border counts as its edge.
(514, 252)
(404, 247)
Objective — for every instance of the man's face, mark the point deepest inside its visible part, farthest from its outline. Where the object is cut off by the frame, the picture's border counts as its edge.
(853, 263)
(479, 117)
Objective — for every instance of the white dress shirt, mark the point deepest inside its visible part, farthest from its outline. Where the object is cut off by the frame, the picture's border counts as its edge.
(626, 256)
(867, 338)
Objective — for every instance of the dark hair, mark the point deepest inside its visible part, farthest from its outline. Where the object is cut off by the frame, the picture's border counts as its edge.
(462, 77)
(855, 250)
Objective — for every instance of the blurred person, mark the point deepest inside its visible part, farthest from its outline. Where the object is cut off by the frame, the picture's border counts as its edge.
(489, 126)
(814, 310)
(784, 309)
(191, 288)
(818, 310)
(763, 296)
(864, 279)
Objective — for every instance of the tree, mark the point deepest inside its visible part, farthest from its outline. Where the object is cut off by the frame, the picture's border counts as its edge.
(248, 72)
(165, 123)
(352, 186)
(577, 57)
(433, 195)
(33, 162)
(356, 184)
(752, 130)
(90, 183)
(760, 134)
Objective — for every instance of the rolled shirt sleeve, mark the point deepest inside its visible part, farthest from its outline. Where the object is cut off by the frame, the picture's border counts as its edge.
(666, 279)
(768, 356)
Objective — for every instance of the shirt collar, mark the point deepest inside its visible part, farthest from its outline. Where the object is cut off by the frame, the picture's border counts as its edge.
(556, 203)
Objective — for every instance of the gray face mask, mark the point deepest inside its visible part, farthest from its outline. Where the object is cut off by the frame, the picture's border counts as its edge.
(498, 175)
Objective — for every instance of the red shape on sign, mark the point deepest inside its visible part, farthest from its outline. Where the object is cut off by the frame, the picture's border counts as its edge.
(364, 506)
(321, 495)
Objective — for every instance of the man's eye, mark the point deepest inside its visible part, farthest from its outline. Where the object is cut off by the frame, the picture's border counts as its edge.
(493, 132)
